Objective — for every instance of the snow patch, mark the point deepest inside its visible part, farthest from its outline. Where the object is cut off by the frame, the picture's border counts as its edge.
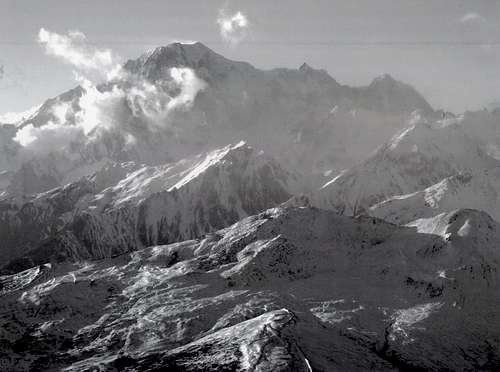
(404, 320)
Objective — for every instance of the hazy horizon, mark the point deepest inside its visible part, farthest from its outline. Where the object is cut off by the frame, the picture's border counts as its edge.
(449, 51)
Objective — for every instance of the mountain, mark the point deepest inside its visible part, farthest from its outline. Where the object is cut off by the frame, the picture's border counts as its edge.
(294, 115)
(140, 233)
(8, 157)
(124, 207)
(28, 221)
(13, 118)
(389, 95)
(476, 190)
(289, 289)
(416, 158)
(302, 117)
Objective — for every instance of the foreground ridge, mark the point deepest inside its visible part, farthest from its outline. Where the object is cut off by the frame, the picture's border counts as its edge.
(337, 293)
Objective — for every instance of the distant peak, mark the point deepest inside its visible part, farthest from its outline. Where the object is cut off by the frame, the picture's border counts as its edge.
(192, 55)
(188, 45)
(386, 77)
(318, 73)
(242, 143)
(383, 79)
(190, 50)
(305, 67)
(393, 95)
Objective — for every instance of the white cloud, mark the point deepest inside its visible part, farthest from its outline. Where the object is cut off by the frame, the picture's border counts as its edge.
(42, 140)
(99, 110)
(16, 117)
(190, 85)
(472, 17)
(157, 102)
(233, 28)
(73, 49)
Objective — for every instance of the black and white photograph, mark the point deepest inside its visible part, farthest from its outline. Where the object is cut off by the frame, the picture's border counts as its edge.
(249, 185)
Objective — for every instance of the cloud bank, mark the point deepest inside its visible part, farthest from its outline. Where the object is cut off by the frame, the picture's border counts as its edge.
(233, 28)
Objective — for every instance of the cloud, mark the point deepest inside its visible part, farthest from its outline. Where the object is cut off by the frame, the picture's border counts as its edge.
(42, 140)
(472, 17)
(233, 28)
(15, 117)
(1, 72)
(126, 104)
(190, 85)
(74, 49)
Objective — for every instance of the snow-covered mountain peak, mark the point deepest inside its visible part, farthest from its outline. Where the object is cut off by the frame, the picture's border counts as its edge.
(305, 67)
(127, 206)
(428, 141)
(476, 189)
(181, 54)
(205, 61)
(239, 153)
(416, 158)
(394, 95)
(383, 80)
(148, 180)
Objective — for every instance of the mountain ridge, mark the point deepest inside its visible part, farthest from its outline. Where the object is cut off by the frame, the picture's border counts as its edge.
(264, 281)
(292, 114)
(128, 206)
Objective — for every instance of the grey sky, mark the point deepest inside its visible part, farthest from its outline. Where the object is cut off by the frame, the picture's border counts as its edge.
(448, 49)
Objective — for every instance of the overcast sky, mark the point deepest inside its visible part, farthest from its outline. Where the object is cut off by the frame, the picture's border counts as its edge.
(448, 49)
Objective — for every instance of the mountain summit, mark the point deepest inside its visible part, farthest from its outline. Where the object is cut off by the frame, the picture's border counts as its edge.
(385, 91)
(155, 64)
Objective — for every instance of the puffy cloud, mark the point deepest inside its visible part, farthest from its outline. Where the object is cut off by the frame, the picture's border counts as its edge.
(233, 28)
(190, 85)
(74, 50)
(472, 17)
(15, 117)
(99, 110)
(156, 102)
(42, 140)
(94, 113)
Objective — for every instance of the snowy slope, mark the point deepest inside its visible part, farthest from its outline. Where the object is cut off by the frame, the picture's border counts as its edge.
(476, 190)
(25, 222)
(414, 159)
(289, 289)
(140, 206)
